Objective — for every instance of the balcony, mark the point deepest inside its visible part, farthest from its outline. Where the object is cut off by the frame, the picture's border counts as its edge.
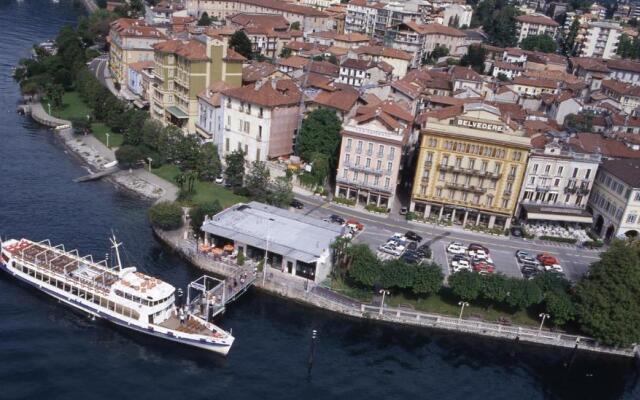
(543, 188)
(465, 188)
(362, 185)
(362, 168)
(470, 171)
(571, 189)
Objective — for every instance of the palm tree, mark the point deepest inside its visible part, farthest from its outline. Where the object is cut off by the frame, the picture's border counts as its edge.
(181, 179)
(191, 176)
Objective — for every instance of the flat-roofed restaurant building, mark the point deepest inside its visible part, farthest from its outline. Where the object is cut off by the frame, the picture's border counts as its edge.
(470, 166)
(294, 243)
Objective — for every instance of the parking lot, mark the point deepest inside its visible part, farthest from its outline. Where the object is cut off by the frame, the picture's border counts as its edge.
(377, 233)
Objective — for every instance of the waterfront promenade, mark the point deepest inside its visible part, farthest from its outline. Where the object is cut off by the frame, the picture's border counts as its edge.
(307, 292)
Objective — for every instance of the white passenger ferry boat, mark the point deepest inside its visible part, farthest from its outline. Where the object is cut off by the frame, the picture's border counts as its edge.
(123, 296)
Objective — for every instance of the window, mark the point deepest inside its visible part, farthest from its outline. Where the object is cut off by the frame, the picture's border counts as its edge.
(496, 168)
(441, 177)
(472, 163)
(637, 196)
(483, 168)
(349, 144)
(535, 169)
(458, 162)
(505, 203)
(439, 192)
(631, 219)
(387, 181)
(389, 166)
(392, 152)
(359, 149)
(357, 160)
(368, 163)
(587, 174)
(345, 172)
(532, 180)
(260, 132)
(429, 158)
(547, 169)
(370, 149)
(347, 158)
(376, 180)
(513, 170)
(246, 126)
(379, 165)
(578, 200)
(355, 176)
(380, 150)
(257, 154)
(575, 173)
(445, 160)
(226, 144)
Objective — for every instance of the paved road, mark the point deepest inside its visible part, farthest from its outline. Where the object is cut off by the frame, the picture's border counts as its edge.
(99, 67)
(378, 228)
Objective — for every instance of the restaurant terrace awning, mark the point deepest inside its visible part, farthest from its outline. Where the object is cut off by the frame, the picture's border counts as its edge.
(548, 213)
(176, 112)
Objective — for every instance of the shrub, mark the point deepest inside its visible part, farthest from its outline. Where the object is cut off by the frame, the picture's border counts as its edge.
(411, 216)
(128, 155)
(240, 259)
(198, 212)
(558, 239)
(374, 208)
(342, 200)
(166, 215)
(594, 244)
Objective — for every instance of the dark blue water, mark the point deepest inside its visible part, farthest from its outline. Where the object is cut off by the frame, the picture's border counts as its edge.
(49, 352)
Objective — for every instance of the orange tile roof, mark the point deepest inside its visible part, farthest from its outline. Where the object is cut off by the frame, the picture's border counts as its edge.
(128, 27)
(296, 62)
(543, 83)
(384, 52)
(192, 49)
(537, 19)
(213, 94)
(342, 99)
(284, 6)
(594, 143)
(257, 70)
(140, 65)
(430, 29)
(273, 93)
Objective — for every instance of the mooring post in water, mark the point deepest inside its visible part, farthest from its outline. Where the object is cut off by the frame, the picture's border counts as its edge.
(312, 350)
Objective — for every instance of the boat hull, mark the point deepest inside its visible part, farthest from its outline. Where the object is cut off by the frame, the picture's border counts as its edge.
(151, 330)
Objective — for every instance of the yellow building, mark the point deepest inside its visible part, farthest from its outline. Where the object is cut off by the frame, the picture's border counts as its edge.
(183, 69)
(130, 41)
(470, 166)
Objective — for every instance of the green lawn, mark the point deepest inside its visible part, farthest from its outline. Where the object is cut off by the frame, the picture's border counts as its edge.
(100, 130)
(438, 304)
(204, 191)
(73, 107)
(338, 285)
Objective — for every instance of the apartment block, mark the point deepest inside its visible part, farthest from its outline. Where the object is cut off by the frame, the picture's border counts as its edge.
(535, 24)
(601, 40)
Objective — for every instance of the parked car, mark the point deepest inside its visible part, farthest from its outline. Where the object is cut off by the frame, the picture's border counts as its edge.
(523, 256)
(529, 272)
(295, 203)
(455, 261)
(554, 268)
(463, 265)
(355, 224)
(456, 248)
(475, 246)
(411, 257)
(335, 219)
(411, 235)
(424, 251)
(477, 253)
(484, 267)
(413, 246)
(219, 179)
(547, 259)
(516, 231)
(403, 211)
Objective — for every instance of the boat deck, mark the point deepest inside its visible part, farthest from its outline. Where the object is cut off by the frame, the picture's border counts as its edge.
(79, 269)
(190, 326)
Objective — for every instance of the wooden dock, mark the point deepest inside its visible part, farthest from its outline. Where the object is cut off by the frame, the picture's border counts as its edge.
(208, 297)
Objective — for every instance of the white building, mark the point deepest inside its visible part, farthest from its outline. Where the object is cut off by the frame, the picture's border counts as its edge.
(293, 243)
(361, 16)
(535, 24)
(261, 119)
(458, 15)
(615, 199)
(210, 121)
(557, 183)
(625, 71)
(601, 40)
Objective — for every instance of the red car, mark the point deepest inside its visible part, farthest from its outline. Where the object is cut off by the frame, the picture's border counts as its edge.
(483, 267)
(547, 259)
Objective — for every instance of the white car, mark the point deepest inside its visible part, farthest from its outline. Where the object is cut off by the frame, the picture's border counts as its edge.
(478, 254)
(554, 268)
(462, 266)
(397, 235)
(456, 248)
(219, 179)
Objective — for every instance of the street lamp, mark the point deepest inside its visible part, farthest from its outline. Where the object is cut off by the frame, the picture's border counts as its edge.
(149, 159)
(462, 305)
(543, 316)
(49, 104)
(383, 292)
(107, 135)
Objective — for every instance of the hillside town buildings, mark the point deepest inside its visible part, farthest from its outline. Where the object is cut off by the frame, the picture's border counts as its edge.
(521, 139)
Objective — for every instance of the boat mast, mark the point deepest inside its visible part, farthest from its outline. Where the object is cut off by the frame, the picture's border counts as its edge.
(116, 245)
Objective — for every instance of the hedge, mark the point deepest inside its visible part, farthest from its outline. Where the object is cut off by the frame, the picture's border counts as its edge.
(558, 239)
(342, 200)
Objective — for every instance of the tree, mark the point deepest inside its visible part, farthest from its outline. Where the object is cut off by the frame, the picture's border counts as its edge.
(204, 20)
(427, 279)
(128, 155)
(54, 94)
(209, 165)
(197, 213)
(295, 26)
(320, 134)
(285, 53)
(257, 181)
(569, 43)
(365, 267)
(241, 43)
(340, 255)
(438, 51)
(234, 174)
(502, 77)
(607, 301)
(501, 26)
(166, 215)
(522, 294)
(560, 306)
(466, 285)
(495, 288)
(81, 125)
(543, 43)
(396, 273)
(282, 194)
(475, 57)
